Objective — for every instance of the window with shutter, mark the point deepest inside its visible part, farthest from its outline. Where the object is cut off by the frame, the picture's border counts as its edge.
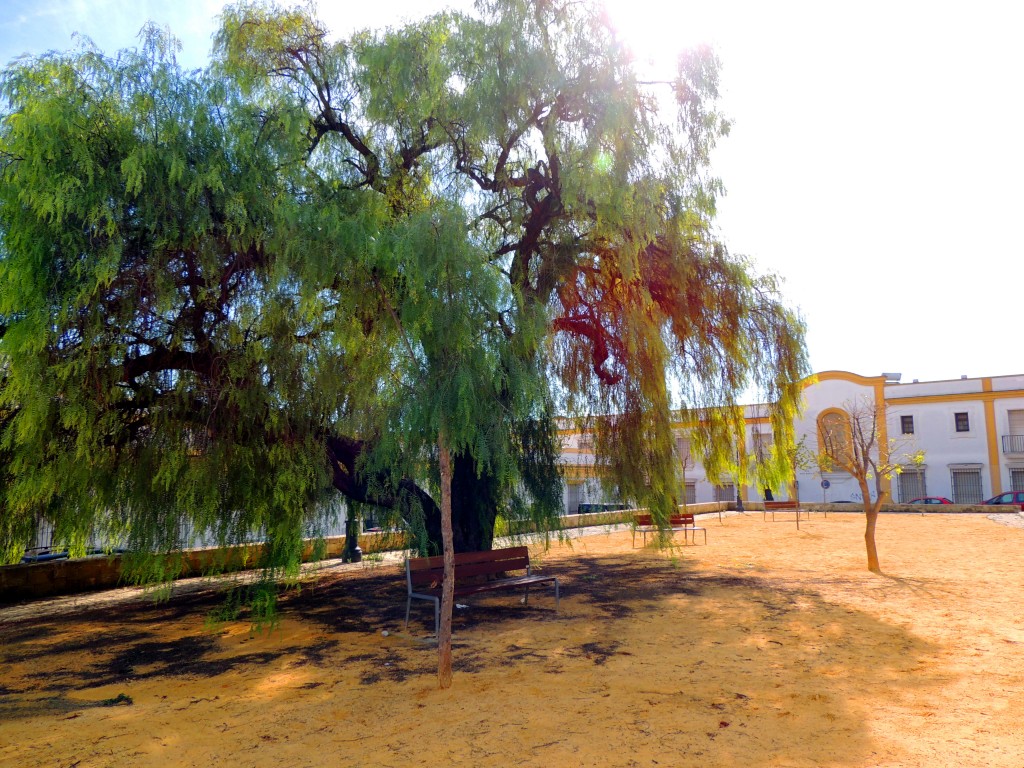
(911, 485)
(966, 486)
(1017, 479)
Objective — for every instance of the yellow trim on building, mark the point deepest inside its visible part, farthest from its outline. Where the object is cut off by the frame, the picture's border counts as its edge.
(983, 396)
(990, 438)
(885, 483)
(854, 378)
(578, 472)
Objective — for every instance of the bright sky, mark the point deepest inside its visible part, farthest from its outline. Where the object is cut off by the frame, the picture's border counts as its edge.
(876, 159)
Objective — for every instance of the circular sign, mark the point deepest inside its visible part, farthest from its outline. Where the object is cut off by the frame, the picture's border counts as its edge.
(825, 483)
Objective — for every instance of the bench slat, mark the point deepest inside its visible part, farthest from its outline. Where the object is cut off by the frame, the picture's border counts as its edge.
(465, 558)
(473, 570)
(489, 586)
(770, 505)
(648, 520)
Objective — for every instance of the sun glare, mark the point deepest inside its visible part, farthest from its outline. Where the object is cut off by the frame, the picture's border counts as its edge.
(656, 30)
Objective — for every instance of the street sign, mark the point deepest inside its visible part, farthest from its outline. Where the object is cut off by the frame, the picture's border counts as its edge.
(825, 484)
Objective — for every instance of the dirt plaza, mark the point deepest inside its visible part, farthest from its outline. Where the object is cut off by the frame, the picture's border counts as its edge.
(769, 646)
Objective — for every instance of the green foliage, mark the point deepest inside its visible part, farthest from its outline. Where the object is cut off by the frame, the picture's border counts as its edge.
(223, 292)
(157, 353)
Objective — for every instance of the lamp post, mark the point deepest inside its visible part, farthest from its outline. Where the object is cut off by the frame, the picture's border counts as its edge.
(351, 553)
(740, 457)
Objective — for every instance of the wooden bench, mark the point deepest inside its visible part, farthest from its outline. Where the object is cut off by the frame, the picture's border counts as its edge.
(780, 506)
(474, 572)
(785, 506)
(683, 521)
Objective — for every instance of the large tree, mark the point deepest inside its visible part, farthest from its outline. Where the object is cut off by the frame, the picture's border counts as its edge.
(162, 369)
(585, 185)
(226, 292)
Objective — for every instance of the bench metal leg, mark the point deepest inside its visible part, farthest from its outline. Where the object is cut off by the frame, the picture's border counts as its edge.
(526, 595)
(693, 535)
(643, 533)
(437, 611)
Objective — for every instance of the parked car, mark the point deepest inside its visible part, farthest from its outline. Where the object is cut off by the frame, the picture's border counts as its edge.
(586, 509)
(1011, 497)
(931, 500)
(43, 554)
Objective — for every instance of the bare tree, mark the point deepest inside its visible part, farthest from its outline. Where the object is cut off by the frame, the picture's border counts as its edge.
(854, 440)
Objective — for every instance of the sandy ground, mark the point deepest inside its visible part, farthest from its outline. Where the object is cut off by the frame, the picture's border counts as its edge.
(767, 647)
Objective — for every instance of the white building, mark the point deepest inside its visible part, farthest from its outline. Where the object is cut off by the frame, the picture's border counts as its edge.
(971, 432)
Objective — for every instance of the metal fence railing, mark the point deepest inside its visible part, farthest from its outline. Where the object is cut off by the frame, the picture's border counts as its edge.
(43, 545)
(1013, 443)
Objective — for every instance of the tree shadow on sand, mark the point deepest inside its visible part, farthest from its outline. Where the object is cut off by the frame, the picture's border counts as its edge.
(790, 662)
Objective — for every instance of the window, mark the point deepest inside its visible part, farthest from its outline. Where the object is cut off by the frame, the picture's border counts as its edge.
(1014, 442)
(683, 452)
(966, 486)
(963, 423)
(572, 505)
(691, 493)
(907, 425)
(1016, 419)
(834, 434)
(911, 485)
(761, 443)
(725, 492)
(1017, 479)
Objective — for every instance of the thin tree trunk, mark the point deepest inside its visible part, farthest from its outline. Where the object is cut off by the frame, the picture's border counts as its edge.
(444, 632)
(869, 540)
(871, 509)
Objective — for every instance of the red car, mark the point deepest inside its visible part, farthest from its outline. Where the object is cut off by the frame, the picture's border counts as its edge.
(1011, 497)
(931, 500)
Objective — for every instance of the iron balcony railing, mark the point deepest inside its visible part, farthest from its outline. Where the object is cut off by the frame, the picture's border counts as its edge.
(1013, 443)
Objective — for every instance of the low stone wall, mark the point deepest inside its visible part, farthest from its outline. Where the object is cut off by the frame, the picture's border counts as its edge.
(34, 581)
(915, 509)
(621, 516)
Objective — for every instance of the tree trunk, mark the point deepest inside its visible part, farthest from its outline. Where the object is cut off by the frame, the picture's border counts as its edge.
(474, 503)
(869, 540)
(475, 500)
(444, 632)
(871, 509)
(343, 454)
(474, 508)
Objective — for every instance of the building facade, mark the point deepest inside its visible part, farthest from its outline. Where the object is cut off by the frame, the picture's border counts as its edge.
(970, 432)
